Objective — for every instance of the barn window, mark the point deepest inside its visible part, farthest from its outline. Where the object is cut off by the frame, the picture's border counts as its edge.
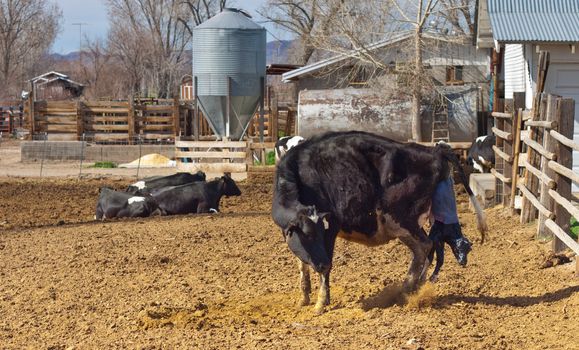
(454, 75)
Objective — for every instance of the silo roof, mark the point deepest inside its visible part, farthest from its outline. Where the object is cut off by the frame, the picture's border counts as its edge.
(229, 19)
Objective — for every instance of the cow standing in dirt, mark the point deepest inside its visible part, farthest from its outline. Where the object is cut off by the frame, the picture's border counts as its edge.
(363, 188)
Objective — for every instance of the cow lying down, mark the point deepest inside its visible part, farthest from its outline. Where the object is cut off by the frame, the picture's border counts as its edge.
(147, 185)
(195, 197)
(363, 188)
(115, 204)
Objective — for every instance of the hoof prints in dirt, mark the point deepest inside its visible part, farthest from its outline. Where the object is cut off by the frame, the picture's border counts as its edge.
(161, 316)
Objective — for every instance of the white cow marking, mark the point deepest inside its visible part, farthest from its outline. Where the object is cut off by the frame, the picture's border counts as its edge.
(139, 184)
(478, 167)
(135, 200)
(481, 138)
(294, 141)
(212, 210)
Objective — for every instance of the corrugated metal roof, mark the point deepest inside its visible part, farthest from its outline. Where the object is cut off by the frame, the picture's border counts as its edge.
(534, 20)
(291, 75)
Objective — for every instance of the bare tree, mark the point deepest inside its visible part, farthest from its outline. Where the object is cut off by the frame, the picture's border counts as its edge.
(353, 27)
(152, 37)
(305, 19)
(28, 29)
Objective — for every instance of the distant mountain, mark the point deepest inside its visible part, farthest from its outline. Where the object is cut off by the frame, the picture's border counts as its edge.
(71, 56)
(276, 52)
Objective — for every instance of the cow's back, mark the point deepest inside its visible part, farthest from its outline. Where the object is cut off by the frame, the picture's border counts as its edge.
(351, 175)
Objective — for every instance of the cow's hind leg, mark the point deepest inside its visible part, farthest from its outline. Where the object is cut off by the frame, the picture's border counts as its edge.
(420, 246)
(305, 284)
(323, 293)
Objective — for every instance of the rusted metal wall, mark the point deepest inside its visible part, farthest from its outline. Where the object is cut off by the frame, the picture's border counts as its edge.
(320, 111)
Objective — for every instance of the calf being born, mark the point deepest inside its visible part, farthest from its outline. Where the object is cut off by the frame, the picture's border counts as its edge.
(363, 188)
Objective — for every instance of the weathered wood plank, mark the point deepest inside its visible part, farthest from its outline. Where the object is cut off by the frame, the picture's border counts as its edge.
(540, 149)
(502, 154)
(535, 202)
(564, 140)
(564, 171)
(216, 155)
(501, 115)
(542, 176)
(211, 144)
(500, 176)
(563, 236)
(548, 124)
(212, 167)
(502, 134)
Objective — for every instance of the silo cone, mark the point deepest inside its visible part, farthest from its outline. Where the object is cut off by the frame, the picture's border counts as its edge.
(229, 60)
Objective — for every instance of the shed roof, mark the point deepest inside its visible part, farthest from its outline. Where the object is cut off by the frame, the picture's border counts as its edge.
(393, 39)
(517, 21)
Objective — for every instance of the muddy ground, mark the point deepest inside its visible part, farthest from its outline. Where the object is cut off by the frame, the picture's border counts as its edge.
(228, 281)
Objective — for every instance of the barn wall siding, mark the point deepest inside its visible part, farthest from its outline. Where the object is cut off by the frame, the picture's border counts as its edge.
(320, 111)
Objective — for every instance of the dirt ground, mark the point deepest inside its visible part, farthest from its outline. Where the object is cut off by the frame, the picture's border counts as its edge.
(227, 281)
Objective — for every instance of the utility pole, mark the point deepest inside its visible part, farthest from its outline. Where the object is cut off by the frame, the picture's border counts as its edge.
(79, 24)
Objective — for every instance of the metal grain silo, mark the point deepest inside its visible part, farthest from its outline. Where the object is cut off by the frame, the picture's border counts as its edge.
(229, 65)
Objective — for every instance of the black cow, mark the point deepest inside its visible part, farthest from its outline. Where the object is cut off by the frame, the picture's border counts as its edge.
(115, 204)
(363, 188)
(284, 144)
(147, 185)
(481, 155)
(195, 197)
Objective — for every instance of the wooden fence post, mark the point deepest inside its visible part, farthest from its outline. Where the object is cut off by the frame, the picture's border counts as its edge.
(565, 120)
(79, 120)
(131, 119)
(176, 116)
(517, 121)
(528, 211)
(550, 145)
(31, 111)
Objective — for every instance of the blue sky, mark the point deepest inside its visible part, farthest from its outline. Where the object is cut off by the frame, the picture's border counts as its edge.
(93, 14)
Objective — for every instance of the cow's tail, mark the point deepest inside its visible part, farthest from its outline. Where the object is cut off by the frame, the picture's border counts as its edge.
(480, 215)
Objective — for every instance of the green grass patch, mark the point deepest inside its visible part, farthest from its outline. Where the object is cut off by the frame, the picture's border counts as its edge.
(574, 228)
(107, 165)
(269, 159)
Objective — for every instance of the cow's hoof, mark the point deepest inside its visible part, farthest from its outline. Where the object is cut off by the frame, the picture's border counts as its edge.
(304, 302)
(319, 309)
(433, 278)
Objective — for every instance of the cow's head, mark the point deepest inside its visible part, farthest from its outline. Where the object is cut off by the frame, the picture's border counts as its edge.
(229, 186)
(306, 238)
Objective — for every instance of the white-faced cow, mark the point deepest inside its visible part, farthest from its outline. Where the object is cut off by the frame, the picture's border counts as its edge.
(481, 155)
(363, 188)
(147, 185)
(284, 144)
(115, 204)
(195, 197)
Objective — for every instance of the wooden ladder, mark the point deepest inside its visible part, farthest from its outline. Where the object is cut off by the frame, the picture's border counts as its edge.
(440, 130)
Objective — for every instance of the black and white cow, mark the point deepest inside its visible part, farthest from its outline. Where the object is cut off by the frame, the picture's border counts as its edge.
(363, 188)
(195, 197)
(115, 204)
(147, 185)
(284, 144)
(481, 155)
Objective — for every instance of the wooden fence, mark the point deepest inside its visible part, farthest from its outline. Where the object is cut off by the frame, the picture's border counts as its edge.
(547, 176)
(103, 121)
(220, 156)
